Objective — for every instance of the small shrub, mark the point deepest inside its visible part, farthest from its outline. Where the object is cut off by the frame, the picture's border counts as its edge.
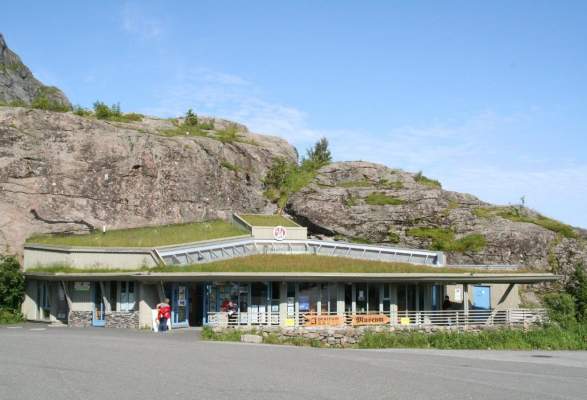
(317, 156)
(229, 134)
(423, 180)
(350, 201)
(386, 184)
(191, 119)
(381, 199)
(82, 112)
(113, 113)
(393, 237)
(561, 308)
(229, 166)
(10, 316)
(42, 101)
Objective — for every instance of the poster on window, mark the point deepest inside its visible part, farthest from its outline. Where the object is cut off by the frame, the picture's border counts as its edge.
(361, 295)
(81, 286)
(304, 304)
(181, 296)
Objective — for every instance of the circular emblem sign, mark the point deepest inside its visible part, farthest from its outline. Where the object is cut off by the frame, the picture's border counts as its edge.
(279, 232)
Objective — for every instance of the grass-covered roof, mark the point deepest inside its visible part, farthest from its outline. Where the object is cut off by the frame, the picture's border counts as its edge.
(151, 236)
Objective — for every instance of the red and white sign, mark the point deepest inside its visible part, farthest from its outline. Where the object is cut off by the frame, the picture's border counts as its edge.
(279, 233)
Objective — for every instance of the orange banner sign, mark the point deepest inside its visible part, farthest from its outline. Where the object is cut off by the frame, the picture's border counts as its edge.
(370, 319)
(324, 320)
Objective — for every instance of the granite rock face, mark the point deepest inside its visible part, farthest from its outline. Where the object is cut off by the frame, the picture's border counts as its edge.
(337, 203)
(60, 172)
(17, 83)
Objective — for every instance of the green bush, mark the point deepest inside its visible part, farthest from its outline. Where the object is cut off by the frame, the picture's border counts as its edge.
(113, 113)
(229, 166)
(285, 178)
(82, 112)
(10, 317)
(577, 289)
(42, 101)
(11, 284)
(561, 308)
(381, 199)
(317, 156)
(190, 119)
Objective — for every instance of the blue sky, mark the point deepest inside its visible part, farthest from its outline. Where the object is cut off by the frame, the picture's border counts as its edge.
(488, 97)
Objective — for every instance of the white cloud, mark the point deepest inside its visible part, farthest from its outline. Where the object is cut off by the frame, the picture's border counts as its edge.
(135, 21)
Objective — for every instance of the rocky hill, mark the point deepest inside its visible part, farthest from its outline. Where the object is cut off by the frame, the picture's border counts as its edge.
(66, 172)
(18, 86)
(60, 172)
(372, 203)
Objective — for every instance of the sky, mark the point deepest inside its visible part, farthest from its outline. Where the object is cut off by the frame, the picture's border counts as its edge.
(490, 98)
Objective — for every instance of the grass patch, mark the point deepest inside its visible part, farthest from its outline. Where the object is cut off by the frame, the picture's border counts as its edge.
(229, 134)
(540, 338)
(229, 166)
(518, 214)
(68, 269)
(228, 335)
(280, 263)
(356, 183)
(423, 180)
(350, 201)
(386, 184)
(308, 263)
(10, 317)
(184, 130)
(444, 240)
(146, 236)
(381, 199)
(268, 220)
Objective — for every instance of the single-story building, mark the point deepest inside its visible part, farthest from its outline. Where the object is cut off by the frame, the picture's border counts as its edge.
(260, 270)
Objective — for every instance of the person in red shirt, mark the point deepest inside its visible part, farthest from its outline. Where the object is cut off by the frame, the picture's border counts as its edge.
(163, 315)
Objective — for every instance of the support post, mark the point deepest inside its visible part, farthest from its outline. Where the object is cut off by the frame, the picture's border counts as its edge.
(105, 299)
(466, 303)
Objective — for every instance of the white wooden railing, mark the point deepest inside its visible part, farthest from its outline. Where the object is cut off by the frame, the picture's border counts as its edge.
(448, 318)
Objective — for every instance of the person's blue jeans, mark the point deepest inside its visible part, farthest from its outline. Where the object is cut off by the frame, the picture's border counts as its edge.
(163, 325)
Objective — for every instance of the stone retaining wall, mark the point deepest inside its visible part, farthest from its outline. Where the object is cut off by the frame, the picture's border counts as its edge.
(122, 319)
(80, 319)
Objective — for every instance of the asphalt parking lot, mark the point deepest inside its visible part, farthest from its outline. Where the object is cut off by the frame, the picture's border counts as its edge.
(41, 362)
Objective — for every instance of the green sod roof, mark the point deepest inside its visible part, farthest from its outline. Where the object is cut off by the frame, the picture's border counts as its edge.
(147, 236)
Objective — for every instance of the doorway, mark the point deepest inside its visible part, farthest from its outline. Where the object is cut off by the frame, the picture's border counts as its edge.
(99, 307)
(196, 317)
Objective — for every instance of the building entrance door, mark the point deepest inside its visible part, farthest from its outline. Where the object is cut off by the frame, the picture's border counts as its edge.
(197, 305)
(481, 297)
(180, 306)
(99, 308)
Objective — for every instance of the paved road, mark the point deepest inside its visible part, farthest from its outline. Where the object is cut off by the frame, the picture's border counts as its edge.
(39, 362)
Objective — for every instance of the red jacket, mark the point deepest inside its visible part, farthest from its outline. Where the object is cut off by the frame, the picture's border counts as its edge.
(164, 312)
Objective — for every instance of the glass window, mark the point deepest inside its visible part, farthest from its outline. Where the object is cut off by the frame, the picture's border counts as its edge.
(112, 298)
(127, 296)
(348, 297)
(333, 292)
(361, 293)
(401, 298)
(373, 298)
(309, 293)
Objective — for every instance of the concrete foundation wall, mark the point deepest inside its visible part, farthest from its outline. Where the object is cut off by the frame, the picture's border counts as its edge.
(148, 300)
